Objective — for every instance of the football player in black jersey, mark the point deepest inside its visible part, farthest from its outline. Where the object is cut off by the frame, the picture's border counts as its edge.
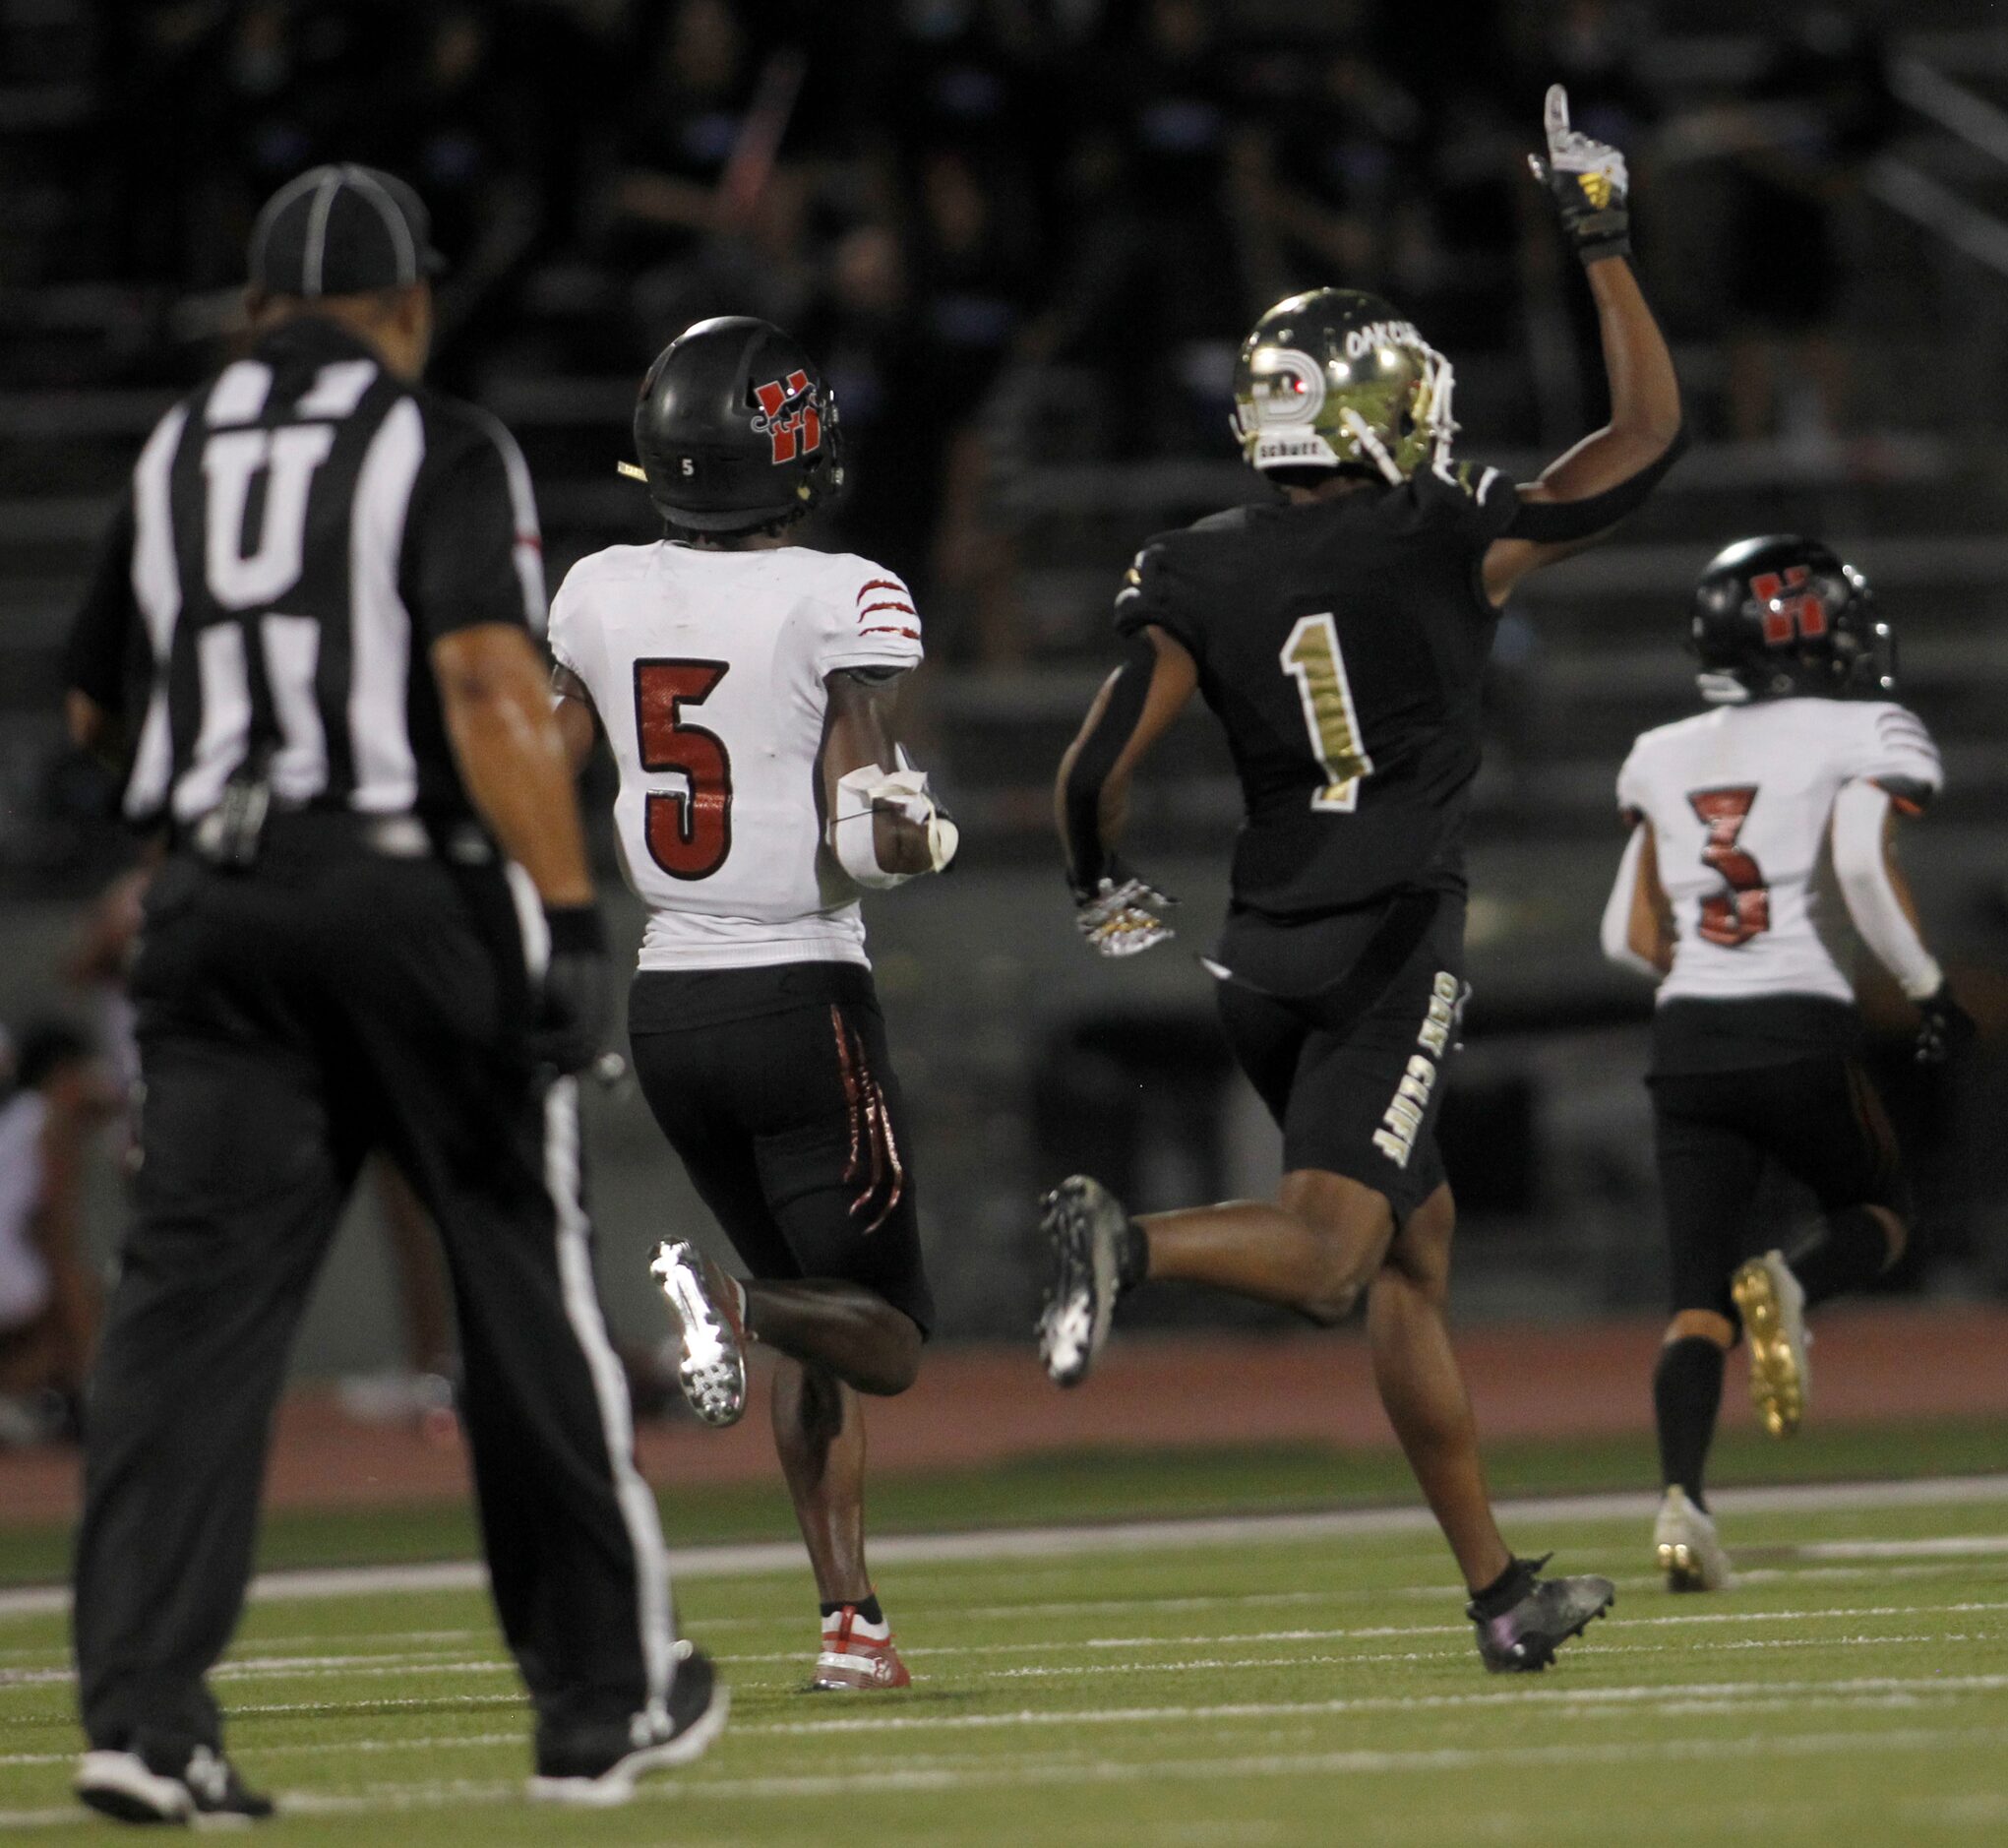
(1339, 633)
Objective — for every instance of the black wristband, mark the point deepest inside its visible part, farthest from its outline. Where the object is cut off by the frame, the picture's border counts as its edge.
(575, 928)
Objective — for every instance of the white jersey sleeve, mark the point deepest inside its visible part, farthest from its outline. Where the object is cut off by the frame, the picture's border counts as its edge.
(870, 620)
(1895, 752)
(566, 633)
(1631, 786)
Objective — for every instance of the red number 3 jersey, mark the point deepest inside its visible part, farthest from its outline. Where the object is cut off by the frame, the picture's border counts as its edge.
(706, 669)
(1740, 800)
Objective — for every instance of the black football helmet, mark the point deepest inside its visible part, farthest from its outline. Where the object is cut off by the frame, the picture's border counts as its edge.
(736, 428)
(1782, 617)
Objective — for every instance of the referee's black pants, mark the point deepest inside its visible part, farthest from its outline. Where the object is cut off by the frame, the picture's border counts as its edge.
(291, 1019)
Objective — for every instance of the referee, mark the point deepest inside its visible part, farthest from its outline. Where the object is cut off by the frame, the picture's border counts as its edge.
(310, 637)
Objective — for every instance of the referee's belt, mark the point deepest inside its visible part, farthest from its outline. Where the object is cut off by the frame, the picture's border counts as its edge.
(460, 842)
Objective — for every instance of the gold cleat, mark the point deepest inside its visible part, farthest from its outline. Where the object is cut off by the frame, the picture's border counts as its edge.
(1689, 1554)
(1772, 1308)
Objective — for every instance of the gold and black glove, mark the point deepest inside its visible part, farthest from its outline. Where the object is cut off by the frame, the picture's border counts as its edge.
(1588, 183)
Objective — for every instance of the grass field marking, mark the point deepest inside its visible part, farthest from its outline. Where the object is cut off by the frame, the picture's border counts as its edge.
(1891, 1691)
(1598, 1648)
(286, 1668)
(889, 1780)
(1644, 1694)
(1951, 1546)
(1724, 1696)
(1075, 1541)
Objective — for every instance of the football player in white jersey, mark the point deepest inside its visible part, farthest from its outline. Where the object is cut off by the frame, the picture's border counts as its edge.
(745, 687)
(1798, 770)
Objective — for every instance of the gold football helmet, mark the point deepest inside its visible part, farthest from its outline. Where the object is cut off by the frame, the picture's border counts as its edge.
(1339, 379)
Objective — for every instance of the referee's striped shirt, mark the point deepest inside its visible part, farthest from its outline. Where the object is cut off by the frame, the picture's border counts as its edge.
(298, 532)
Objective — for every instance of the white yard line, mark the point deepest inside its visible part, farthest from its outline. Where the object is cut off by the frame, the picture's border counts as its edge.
(404, 1663)
(1961, 1546)
(1881, 1692)
(882, 1780)
(1068, 1542)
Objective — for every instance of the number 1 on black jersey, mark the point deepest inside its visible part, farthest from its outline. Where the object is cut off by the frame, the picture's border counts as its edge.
(1312, 658)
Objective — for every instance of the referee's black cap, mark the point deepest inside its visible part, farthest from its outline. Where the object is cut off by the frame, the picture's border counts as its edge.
(342, 231)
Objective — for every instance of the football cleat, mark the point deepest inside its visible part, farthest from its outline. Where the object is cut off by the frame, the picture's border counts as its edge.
(1686, 1544)
(710, 1328)
(1083, 1223)
(857, 1654)
(1773, 1307)
(123, 1785)
(599, 1772)
(1522, 1638)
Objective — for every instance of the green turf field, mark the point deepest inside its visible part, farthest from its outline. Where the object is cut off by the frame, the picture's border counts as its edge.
(1119, 1485)
(1246, 1690)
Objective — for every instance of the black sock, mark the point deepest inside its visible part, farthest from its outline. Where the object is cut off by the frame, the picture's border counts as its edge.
(1133, 1257)
(1507, 1589)
(1851, 1250)
(1687, 1397)
(867, 1608)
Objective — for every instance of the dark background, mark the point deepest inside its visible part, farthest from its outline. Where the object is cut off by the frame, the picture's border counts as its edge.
(1025, 237)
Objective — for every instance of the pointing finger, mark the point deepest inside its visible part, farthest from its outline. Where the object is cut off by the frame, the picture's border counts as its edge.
(1554, 116)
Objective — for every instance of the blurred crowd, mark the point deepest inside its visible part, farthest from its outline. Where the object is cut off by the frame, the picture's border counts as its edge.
(931, 191)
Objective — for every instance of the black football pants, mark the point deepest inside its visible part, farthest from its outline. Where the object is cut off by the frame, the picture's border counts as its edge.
(291, 1019)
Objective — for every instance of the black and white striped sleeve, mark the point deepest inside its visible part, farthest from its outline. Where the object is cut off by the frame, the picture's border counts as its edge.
(474, 553)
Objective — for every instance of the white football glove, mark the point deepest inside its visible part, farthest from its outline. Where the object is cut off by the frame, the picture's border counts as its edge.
(1587, 181)
(1121, 920)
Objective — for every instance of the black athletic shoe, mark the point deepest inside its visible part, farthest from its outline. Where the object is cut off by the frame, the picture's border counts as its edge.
(1522, 1638)
(1083, 1223)
(124, 1786)
(597, 1770)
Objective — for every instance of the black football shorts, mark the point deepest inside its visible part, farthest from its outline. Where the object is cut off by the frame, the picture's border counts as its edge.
(1343, 1025)
(1819, 1119)
(776, 1088)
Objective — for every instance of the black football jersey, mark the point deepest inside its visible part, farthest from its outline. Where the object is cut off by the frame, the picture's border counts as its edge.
(1341, 643)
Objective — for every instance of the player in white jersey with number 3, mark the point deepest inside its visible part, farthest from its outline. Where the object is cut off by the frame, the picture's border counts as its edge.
(1739, 815)
(745, 687)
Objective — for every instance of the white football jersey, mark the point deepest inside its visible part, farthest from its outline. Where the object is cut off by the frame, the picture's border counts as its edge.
(706, 668)
(1740, 800)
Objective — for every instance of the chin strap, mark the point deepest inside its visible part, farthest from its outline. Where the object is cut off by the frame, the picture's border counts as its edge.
(861, 795)
(1361, 432)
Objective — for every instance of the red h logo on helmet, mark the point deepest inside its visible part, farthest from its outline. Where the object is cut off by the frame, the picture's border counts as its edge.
(1788, 618)
(798, 432)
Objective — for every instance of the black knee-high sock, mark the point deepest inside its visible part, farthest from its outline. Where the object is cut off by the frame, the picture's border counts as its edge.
(1687, 1397)
(1849, 1252)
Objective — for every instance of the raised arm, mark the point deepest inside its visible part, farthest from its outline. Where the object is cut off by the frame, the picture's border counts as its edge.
(1587, 490)
(1135, 708)
(884, 825)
